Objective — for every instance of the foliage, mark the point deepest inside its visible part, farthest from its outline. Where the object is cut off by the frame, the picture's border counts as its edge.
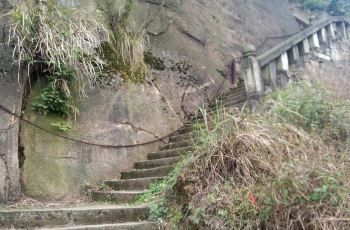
(155, 195)
(61, 127)
(333, 7)
(60, 44)
(126, 46)
(51, 101)
(315, 4)
(312, 108)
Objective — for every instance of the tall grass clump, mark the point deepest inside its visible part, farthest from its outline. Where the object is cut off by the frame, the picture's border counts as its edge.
(126, 47)
(58, 43)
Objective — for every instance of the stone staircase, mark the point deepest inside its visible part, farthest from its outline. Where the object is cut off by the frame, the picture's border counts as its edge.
(116, 209)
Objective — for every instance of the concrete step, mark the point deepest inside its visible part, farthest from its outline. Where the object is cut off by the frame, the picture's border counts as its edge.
(240, 88)
(189, 128)
(179, 137)
(157, 163)
(179, 144)
(86, 215)
(131, 184)
(212, 113)
(170, 153)
(228, 102)
(123, 226)
(145, 173)
(117, 197)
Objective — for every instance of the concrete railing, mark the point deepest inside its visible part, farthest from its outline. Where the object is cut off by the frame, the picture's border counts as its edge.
(264, 71)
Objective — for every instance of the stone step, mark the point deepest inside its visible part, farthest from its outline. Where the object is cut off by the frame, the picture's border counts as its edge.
(235, 91)
(179, 137)
(117, 197)
(131, 184)
(179, 144)
(85, 215)
(232, 91)
(145, 173)
(123, 226)
(157, 163)
(170, 153)
(189, 128)
(236, 105)
(228, 102)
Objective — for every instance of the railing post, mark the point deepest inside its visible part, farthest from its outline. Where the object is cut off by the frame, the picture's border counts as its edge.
(269, 73)
(331, 32)
(342, 30)
(314, 42)
(323, 36)
(347, 30)
(294, 55)
(283, 70)
(252, 73)
(305, 47)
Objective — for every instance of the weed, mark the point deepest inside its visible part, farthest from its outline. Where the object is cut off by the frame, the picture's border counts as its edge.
(51, 101)
(61, 127)
(125, 49)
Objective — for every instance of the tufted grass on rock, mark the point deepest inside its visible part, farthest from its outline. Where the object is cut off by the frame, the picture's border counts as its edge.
(50, 39)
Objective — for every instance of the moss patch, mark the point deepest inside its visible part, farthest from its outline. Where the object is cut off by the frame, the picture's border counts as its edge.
(49, 170)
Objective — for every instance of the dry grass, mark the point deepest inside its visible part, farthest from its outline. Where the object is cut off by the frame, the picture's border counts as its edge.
(50, 38)
(126, 44)
(253, 174)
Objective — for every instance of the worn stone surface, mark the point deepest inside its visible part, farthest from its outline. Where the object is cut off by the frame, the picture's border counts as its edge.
(55, 167)
(102, 214)
(11, 97)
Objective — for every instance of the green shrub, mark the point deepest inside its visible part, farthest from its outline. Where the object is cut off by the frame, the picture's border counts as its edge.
(53, 101)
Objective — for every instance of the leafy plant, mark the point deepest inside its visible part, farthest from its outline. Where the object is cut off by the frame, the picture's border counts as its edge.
(61, 127)
(51, 101)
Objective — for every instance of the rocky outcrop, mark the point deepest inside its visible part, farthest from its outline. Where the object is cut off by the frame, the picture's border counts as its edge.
(11, 92)
(190, 51)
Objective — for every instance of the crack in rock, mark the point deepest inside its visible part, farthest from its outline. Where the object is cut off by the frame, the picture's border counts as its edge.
(138, 129)
(7, 184)
(166, 100)
(192, 37)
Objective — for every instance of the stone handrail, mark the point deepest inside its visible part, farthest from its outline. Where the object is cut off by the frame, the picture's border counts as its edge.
(279, 49)
(262, 72)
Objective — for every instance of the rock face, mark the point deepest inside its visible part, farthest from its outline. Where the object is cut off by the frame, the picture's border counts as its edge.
(11, 97)
(190, 51)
